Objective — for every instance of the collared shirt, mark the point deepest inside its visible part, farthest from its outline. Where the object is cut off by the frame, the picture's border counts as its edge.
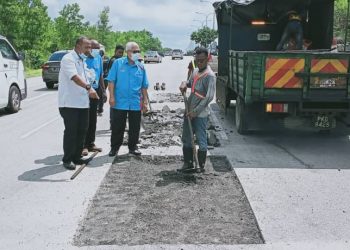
(128, 81)
(71, 95)
(95, 63)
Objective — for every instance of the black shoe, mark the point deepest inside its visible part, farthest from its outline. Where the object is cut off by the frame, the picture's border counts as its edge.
(113, 152)
(135, 152)
(202, 157)
(81, 162)
(69, 166)
(188, 160)
(186, 168)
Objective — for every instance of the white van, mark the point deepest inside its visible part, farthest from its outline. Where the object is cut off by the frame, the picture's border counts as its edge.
(13, 86)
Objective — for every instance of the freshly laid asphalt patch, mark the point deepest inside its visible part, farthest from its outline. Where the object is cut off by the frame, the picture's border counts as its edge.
(145, 201)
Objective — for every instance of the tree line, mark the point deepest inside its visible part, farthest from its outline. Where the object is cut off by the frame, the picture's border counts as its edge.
(340, 18)
(27, 25)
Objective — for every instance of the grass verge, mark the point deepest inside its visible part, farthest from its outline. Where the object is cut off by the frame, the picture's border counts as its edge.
(32, 72)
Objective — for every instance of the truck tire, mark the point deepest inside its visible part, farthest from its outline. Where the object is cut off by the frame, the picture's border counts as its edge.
(50, 85)
(14, 102)
(241, 117)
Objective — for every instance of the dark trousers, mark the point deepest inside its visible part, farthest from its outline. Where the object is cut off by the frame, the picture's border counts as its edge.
(101, 101)
(294, 29)
(118, 128)
(91, 133)
(76, 125)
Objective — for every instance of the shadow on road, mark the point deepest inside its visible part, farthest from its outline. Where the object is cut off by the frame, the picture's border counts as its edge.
(46, 89)
(53, 166)
(3, 112)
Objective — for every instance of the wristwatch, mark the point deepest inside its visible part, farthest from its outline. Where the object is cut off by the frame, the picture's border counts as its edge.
(88, 86)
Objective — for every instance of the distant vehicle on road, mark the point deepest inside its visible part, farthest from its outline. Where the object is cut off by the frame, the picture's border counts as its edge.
(177, 53)
(51, 68)
(152, 56)
(167, 53)
(13, 85)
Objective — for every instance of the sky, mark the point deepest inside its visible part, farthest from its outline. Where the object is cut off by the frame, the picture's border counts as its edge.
(172, 21)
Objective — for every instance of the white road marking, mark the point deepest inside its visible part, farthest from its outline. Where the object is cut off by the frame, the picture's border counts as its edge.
(38, 128)
(38, 97)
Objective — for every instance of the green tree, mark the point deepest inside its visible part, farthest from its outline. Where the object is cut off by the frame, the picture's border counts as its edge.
(204, 36)
(26, 23)
(144, 38)
(10, 18)
(69, 25)
(340, 15)
(103, 27)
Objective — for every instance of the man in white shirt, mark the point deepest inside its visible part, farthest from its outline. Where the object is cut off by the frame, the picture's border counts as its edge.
(73, 101)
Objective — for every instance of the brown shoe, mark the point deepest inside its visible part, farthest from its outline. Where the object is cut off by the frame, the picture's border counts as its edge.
(85, 152)
(93, 148)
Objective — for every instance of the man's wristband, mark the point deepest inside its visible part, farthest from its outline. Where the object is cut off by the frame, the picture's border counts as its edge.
(87, 86)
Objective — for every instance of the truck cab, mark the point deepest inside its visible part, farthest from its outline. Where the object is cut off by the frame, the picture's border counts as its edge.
(13, 87)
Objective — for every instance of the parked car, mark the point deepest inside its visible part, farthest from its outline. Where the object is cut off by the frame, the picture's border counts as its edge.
(177, 53)
(51, 68)
(152, 56)
(13, 85)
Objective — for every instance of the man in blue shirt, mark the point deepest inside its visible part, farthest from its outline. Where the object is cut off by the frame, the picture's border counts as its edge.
(95, 76)
(127, 86)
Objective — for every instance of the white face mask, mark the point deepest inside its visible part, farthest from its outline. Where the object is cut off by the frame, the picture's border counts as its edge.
(95, 52)
(135, 57)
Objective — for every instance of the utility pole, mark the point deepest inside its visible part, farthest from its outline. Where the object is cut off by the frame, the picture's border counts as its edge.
(206, 17)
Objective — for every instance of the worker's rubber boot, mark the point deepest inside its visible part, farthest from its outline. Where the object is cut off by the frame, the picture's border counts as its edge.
(202, 157)
(188, 160)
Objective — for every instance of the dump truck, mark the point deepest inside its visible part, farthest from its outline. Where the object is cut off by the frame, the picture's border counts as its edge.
(268, 85)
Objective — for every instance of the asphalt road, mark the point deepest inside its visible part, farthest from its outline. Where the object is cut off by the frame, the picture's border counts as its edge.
(37, 200)
(296, 180)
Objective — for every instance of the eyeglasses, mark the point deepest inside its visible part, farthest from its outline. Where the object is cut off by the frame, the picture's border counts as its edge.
(136, 51)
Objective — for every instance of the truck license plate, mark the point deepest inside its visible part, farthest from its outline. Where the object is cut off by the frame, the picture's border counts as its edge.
(324, 121)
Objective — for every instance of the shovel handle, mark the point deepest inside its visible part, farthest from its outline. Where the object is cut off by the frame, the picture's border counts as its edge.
(83, 166)
(191, 130)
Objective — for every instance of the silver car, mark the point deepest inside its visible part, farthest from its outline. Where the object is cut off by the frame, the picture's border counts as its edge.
(177, 53)
(51, 68)
(152, 56)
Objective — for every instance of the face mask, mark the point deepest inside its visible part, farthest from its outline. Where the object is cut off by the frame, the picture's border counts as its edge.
(95, 52)
(135, 57)
(83, 56)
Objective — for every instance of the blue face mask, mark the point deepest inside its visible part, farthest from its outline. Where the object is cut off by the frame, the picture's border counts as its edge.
(95, 52)
(83, 56)
(136, 57)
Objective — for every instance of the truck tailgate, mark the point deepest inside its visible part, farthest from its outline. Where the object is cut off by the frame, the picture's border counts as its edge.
(305, 75)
